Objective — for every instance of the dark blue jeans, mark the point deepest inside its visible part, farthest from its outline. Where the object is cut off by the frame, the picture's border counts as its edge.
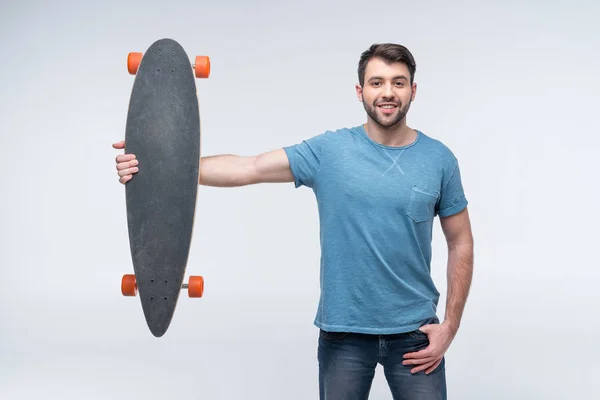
(347, 363)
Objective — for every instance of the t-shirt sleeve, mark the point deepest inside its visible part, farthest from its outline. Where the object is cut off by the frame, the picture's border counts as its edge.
(452, 197)
(305, 160)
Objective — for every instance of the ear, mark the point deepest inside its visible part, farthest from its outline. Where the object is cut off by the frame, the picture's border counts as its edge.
(359, 93)
(414, 91)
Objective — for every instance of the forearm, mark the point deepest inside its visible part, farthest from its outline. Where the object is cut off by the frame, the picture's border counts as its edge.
(459, 275)
(228, 170)
(225, 170)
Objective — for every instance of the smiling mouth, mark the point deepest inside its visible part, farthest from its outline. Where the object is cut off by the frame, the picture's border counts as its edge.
(387, 108)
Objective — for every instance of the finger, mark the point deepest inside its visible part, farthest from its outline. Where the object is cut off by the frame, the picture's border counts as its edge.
(119, 145)
(433, 367)
(124, 157)
(425, 328)
(129, 164)
(128, 171)
(417, 361)
(421, 367)
(125, 179)
(426, 352)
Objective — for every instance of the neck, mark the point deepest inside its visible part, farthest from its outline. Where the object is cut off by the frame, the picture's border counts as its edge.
(395, 136)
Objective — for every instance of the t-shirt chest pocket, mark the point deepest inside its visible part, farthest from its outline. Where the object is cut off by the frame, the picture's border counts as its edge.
(421, 205)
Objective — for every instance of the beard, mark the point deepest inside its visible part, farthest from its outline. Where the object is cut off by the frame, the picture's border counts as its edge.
(387, 121)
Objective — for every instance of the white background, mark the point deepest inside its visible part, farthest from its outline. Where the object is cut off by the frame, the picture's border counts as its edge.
(510, 87)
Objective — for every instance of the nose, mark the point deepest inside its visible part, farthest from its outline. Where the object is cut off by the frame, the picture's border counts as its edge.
(387, 91)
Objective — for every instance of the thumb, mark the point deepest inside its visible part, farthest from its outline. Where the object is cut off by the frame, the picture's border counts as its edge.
(425, 328)
(119, 145)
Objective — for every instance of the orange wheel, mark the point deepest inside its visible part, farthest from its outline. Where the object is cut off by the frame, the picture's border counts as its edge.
(133, 62)
(128, 285)
(196, 286)
(202, 67)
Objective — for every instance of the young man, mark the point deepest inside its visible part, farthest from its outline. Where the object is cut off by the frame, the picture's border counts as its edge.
(379, 187)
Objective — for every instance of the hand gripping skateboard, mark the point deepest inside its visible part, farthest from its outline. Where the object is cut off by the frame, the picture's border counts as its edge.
(163, 131)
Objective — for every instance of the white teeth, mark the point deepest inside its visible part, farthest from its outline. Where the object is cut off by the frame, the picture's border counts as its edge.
(388, 106)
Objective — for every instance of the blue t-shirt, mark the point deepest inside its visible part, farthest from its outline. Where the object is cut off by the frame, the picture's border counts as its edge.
(376, 209)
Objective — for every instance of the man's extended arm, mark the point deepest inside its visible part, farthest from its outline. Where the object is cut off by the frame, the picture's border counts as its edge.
(230, 170)
(223, 170)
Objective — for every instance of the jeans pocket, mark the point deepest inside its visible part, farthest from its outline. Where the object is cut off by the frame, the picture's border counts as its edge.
(421, 205)
(417, 334)
(332, 335)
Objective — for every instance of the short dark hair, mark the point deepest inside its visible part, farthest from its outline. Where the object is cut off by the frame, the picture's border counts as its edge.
(388, 52)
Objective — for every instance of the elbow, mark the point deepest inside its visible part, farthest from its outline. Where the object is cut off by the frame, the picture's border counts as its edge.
(465, 243)
(250, 174)
(460, 238)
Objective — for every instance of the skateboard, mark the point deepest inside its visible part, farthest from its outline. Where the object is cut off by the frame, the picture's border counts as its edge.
(163, 131)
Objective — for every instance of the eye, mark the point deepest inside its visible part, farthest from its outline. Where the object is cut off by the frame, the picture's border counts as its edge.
(399, 83)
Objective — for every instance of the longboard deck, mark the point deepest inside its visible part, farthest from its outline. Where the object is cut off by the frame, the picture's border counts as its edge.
(163, 131)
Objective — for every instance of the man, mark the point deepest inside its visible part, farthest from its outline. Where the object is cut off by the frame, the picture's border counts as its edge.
(379, 187)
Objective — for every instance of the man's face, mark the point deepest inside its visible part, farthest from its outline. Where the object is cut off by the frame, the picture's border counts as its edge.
(387, 92)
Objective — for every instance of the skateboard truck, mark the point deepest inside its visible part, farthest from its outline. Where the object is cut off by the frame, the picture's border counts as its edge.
(201, 65)
(195, 286)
